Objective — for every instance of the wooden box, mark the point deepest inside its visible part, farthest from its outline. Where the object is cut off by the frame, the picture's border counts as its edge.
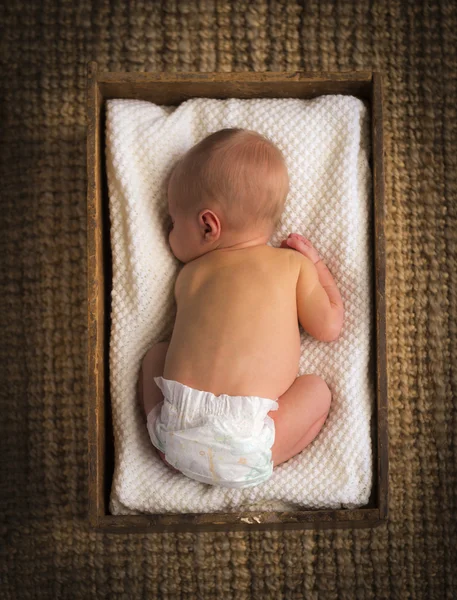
(172, 89)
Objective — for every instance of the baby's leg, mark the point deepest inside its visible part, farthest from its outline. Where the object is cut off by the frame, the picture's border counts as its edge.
(148, 393)
(151, 366)
(302, 411)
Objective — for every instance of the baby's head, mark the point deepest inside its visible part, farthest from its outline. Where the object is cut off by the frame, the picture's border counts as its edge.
(227, 189)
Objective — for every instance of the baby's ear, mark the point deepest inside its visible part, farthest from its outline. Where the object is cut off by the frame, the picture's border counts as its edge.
(210, 225)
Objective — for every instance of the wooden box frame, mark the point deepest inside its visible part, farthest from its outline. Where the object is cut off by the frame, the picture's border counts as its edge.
(173, 88)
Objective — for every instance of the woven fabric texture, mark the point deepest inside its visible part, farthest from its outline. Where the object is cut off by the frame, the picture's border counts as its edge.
(47, 549)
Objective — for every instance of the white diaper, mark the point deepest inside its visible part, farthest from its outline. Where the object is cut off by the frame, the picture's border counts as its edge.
(222, 440)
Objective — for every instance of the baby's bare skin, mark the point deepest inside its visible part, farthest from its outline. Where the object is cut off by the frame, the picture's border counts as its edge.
(236, 333)
(239, 305)
(236, 329)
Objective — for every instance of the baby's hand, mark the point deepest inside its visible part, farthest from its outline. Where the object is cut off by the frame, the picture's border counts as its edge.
(300, 244)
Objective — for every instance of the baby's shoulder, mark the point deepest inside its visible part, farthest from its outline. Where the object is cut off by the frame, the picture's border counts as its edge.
(285, 256)
(282, 253)
(190, 275)
(294, 263)
(183, 276)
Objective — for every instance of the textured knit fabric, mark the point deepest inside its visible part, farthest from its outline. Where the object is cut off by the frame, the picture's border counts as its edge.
(326, 144)
(47, 548)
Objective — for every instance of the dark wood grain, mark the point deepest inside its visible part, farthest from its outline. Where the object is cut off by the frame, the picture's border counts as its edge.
(380, 286)
(174, 88)
(97, 333)
(241, 77)
(249, 521)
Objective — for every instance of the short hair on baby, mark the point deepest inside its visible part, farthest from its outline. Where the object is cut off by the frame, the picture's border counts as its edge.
(239, 171)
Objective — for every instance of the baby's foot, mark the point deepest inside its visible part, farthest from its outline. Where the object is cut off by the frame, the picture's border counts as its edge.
(162, 456)
(301, 244)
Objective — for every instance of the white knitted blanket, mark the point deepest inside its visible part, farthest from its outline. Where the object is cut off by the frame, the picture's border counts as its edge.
(326, 143)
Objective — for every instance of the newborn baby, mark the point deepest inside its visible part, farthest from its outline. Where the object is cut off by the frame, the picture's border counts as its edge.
(223, 401)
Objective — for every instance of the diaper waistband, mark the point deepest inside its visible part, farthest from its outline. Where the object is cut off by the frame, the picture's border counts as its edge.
(187, 399)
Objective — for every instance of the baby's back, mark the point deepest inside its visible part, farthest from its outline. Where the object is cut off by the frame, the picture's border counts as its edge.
(236, 329)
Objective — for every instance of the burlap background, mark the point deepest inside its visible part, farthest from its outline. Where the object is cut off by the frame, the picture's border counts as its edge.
(47, 549)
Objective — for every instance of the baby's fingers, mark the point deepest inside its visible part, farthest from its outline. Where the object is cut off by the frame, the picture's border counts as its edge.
(296, 243)
(304, 246)
(297, 236)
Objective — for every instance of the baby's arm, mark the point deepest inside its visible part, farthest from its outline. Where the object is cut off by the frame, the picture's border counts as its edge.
(319, 304)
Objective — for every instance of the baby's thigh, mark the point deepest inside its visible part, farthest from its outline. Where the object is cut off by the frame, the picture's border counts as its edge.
(302, 411)
(151, 366)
